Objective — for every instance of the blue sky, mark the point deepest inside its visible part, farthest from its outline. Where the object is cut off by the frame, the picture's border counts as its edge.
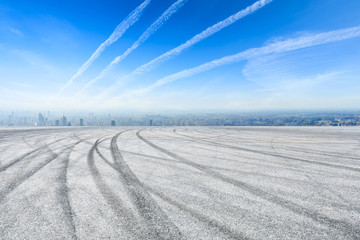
(46, 50)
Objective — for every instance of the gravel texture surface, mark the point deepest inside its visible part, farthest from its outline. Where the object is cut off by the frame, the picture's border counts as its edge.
(180, 183)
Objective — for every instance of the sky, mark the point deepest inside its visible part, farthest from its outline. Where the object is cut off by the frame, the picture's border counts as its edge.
(169, 55)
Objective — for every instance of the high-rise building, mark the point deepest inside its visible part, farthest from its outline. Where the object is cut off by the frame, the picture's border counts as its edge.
(41, 120)
(64, 121)
(57, 122)
(113, 123)
(81, 122)
(151, 123)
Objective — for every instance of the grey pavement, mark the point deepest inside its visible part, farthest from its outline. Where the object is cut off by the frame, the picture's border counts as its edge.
(180, 183)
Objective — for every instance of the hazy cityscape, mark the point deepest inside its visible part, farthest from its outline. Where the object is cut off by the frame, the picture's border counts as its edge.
(271, 118)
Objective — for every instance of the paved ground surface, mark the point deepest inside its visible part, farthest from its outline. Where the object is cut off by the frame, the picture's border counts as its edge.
(180, 183)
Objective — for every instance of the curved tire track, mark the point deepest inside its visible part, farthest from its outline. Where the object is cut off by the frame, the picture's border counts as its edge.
(273, 154)
(25, 155)
(63, 192)
(203, 218)
(127, 218)
(157, 221)
(19, 180)
(345, 227)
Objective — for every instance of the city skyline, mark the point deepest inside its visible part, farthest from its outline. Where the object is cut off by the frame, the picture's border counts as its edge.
(179, 55)
(250, 118)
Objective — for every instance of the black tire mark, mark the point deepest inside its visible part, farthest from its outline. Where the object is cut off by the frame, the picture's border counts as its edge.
(300, 150)
(323, 187)
(19, 180)
(345, 227)
(127, 218)
(4, 137)
(160, 226)
(148, 156)
(32, 136)
(25, 155)
(209, 148)
(169, 163)
(63, 193)
(164, 162)
(201, 217)
(209, 137)
(317, 152)
(346, 204)
(91, 143)
(275, 155)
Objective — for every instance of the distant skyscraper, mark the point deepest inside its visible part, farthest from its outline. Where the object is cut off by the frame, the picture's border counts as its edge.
(113, 123)
(11, 119)
(64, 121)
(81, 122)
(151, 123)
(57, 123)
(41, 120)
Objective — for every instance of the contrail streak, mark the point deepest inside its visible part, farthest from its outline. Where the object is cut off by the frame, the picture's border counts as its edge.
(197, 38)
(205, 34)
(277, 47)
(152, 29)
(132, 18)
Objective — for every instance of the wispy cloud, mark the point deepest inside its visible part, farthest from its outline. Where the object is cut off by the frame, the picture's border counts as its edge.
(196, 39)
(33, 59)
(205, 34)
(15, 31)
(276, 47)
(8, 26)
(131, 19)
(151, 30)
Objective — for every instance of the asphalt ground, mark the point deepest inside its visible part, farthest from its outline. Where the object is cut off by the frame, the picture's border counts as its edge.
(180, 183)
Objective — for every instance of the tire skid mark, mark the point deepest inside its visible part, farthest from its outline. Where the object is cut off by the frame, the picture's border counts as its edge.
(160, 226)
(274, 154)
(63, 192)
(346, 204)
(317, 152)
(4, 137)
(201, 217)
(169, 161)
(150, 156)
(25, 155)
(78, 140)
(291, 168)
(300, 150)
(164, 162)
(322, 187)
(127, 218)
(345, 227)
(19, 180)
(91, 143)
(32, 136)
(208, 136)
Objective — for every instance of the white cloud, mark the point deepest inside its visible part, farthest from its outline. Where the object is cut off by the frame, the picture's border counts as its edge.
(194, 40)
(149, 31)
(276, 47)
(15, 31)
(117, 33)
